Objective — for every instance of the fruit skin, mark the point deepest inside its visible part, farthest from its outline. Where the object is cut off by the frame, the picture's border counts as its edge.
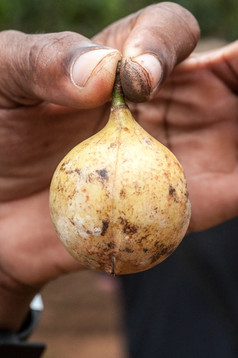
(119, 200)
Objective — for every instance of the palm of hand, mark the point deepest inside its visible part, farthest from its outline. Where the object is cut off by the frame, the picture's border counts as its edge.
(195, 114)
(36, 141)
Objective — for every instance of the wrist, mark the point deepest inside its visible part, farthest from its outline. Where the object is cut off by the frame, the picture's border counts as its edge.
(15, 299)
(14, 344)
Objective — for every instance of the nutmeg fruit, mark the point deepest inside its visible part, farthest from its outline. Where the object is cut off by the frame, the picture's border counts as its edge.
(119, 200)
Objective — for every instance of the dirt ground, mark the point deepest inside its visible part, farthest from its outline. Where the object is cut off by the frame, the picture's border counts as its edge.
(82, 318)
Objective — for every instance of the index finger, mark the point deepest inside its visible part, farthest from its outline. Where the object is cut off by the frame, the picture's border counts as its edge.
(161, 36)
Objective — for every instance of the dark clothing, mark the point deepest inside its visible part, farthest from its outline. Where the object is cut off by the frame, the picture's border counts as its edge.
(187, 306)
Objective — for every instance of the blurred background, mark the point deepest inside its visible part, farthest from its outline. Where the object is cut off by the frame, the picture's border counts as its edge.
(217, 18)
(83, 315)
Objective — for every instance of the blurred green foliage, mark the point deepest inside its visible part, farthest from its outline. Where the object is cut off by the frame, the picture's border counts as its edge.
(217, 18)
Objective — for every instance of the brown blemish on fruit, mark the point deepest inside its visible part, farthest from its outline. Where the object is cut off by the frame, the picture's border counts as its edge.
(128, 228)
(122, 193)
(111, 245)
(71, 221)
(103, 174)
(143, 238)
(173, 194)
(78, 171)
(60, 188)
(148, 141)
(171, 190)
(105, 224)
(113, 145)
(162, 250)
(186, 193)
(62, 167)
(127, 249)
(90, 178)
(71, 195)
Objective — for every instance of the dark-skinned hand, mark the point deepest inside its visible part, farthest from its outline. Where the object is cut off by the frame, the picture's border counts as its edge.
(55, 92)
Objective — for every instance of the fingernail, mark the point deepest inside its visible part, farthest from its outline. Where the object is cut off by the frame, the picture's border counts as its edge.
(152, 66)
(83, 66)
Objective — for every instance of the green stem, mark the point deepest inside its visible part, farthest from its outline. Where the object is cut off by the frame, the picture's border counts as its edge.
(117, 94)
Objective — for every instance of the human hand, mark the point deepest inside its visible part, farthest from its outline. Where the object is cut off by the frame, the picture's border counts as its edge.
(193, 111)
(196, 115)
(48, 103)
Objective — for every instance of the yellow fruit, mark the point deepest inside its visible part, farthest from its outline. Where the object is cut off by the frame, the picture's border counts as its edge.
(119, 199)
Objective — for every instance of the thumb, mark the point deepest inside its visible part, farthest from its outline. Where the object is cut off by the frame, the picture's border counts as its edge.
(63, 68)
(160, 36)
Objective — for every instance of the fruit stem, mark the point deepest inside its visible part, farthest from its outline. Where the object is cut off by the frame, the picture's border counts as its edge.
(117, 94)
